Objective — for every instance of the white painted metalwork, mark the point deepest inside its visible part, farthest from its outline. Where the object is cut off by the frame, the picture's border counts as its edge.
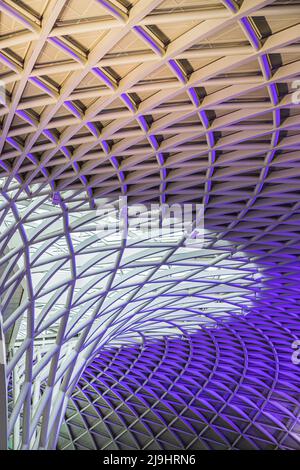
(167, 100)
(78, 292)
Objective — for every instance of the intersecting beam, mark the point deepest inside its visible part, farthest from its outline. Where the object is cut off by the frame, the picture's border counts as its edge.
(3, 391)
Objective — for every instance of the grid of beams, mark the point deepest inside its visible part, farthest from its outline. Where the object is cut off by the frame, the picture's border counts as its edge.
(66, 290)
(175, 99)
(231, 387)
(166, 100)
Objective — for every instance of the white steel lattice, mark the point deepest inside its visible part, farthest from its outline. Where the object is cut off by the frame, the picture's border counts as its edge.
(157, 100)
(66, 292)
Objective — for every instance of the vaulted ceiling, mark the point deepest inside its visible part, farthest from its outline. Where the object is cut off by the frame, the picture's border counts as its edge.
(158, 100)
(180, 99)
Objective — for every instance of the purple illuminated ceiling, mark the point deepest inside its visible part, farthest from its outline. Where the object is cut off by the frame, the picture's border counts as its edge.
(166, 101)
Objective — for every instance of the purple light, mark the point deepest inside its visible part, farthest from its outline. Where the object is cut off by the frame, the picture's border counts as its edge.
(153, 142)
(105, 146)
(93, 129)
(266, 66)
(253, 38)
(75, 166)
(62, 45)
(13, 143)
(114, 161)
(277, 117)
(143, 123)
(72, 298)
(25, 116)
(104, 77)
(66, 151)
(237, 374)
(213, 156)
(73, 108)
(4, 165)
(44, 171)
(276, 138)
(194, 97)
(273, 90)
(204, 119)
(231, 5)
(41, 84)
(113, 10)
(160, 158)
(211, 139)
(6, 60)
(50, 135)
(32, 158)
(178, 71)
